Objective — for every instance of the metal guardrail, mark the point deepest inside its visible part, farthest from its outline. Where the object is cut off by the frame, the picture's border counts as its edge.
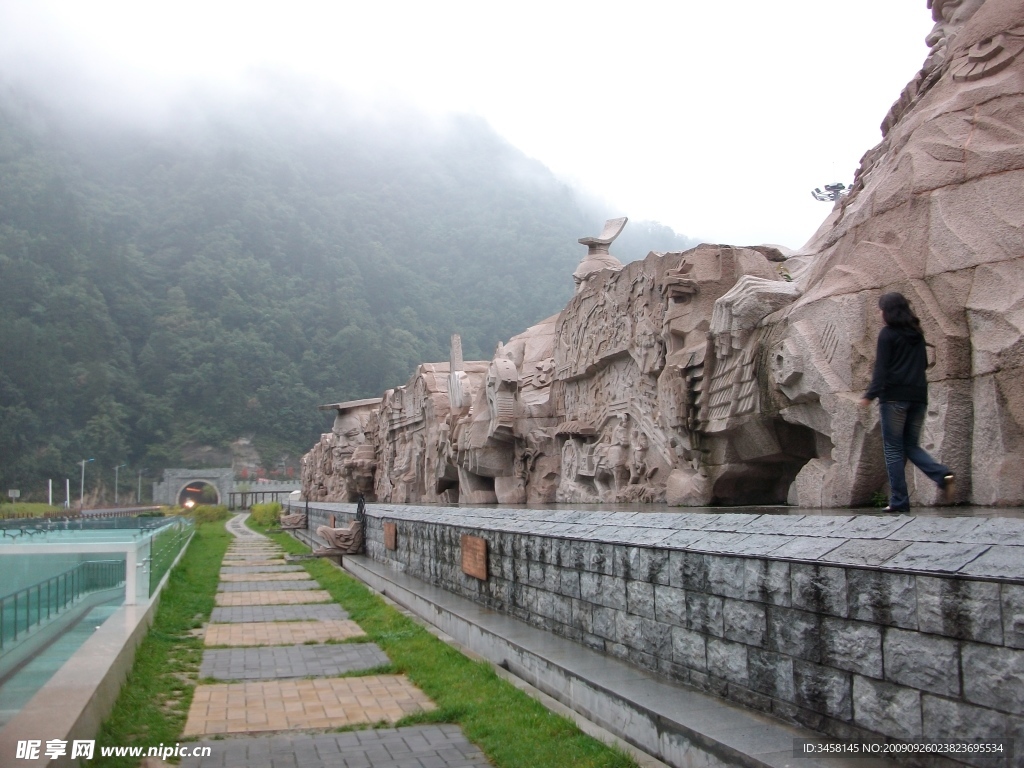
(31, 606)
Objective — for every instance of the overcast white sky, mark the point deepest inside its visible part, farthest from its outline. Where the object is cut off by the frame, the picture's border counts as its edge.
(716, 118)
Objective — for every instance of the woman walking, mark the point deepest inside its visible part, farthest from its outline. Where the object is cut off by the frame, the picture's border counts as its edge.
(900, 385)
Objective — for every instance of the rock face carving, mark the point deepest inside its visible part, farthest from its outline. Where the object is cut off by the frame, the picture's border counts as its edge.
(341, 466)
(721, 375)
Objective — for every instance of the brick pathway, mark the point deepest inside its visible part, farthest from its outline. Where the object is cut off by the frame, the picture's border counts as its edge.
(424, 745)
(235, 562)
(278, 613)
(287, 678)
(230, 576)
(266, 586)
(262, 569)
(290, 661)
(275, 597)
(282, 632)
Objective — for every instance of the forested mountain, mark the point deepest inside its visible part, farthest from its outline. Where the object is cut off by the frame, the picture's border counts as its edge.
(172, 284)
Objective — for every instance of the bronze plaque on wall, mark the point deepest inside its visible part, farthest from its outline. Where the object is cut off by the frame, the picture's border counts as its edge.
(474, 557)
(390, 536)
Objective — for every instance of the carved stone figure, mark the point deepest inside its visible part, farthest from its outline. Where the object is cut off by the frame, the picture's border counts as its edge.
(598, 258)
(341, 465)
(732, 375)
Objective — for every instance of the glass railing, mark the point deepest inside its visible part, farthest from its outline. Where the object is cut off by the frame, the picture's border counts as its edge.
(12, 529)
(31, 606)
(165, 546)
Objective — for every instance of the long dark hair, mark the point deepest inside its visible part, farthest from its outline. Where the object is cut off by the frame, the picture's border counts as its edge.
(897, 313)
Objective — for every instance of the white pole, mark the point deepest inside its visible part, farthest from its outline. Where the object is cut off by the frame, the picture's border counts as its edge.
(131, 563)
(81, 490)
(50, 502)
(67, 493)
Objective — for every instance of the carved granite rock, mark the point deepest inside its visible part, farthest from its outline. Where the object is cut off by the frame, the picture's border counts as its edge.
(732, 375)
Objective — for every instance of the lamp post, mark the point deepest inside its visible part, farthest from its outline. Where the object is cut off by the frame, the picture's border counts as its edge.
(115, 481)
(81, 488)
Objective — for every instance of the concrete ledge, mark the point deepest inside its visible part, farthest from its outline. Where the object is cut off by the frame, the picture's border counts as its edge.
(675, 724)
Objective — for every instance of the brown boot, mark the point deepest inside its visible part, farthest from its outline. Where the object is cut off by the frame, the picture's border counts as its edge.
(946, 488)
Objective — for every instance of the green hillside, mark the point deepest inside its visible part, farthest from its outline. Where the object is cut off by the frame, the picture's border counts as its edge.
(220, 275)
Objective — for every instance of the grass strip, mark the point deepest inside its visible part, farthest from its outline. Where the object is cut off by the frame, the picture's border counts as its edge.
(514, 730)
(154, 701)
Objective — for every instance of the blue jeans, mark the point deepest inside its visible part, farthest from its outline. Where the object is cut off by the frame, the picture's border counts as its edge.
(901, 431)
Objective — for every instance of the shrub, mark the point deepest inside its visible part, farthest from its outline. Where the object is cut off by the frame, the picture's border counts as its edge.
(267, 513)
(29, 509)
(203, 513)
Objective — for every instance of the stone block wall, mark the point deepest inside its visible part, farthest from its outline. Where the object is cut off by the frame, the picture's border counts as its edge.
(850, 651)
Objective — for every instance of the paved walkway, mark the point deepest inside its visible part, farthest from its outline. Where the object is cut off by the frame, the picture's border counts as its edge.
(295, 665)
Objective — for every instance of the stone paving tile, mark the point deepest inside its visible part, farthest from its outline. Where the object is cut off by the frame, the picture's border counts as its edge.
(865, 551)
(935, 556)
(261, 569)
(277, 613)
(226, 563)
(282, 632)
(237, 527)
(254, 555)
(290, 661)
(291, 576)
(444, 746)
(275, 597)
(284, 705)
(807, 547)
(251, 553)
(264, 586)
(997, 562)
(254, 552)
(936, 529)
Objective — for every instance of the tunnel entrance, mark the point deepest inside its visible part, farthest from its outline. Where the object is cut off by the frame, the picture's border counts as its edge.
(198, 492)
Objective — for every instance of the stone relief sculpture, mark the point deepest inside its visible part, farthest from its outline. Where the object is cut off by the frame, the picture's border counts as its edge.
(722, 375)
(342, 464)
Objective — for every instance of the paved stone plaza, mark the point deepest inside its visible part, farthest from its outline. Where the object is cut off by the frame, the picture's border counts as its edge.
(298, 666)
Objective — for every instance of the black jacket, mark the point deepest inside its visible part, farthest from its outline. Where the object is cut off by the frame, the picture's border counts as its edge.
(900, 364)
